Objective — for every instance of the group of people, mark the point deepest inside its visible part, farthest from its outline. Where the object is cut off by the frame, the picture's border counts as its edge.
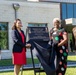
(57, 34)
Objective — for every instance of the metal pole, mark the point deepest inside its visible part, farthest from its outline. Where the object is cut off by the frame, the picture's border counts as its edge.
(15, 14)
(16, 6)
(31, 53)
(33, 62)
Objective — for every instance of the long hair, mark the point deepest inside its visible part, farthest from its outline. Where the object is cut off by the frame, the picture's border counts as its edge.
(14, 24)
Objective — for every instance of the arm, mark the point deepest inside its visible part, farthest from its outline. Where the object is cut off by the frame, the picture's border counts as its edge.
(51, 31)
(28, 45)
(65, 39)
(16, 40)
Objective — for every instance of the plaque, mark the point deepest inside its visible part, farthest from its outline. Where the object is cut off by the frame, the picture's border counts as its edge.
(38, 33)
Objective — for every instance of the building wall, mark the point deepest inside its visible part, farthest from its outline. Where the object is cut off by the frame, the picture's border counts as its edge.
(29, 12)
(67, 1)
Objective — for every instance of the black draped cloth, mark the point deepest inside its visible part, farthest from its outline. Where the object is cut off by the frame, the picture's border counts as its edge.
(46, 55)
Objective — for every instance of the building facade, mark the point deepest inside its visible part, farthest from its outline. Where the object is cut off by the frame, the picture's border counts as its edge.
(30, 13)
(67, 14)
(67, 7)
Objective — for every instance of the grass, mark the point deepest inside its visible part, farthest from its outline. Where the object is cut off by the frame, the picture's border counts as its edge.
(8, 62)
(24, 73)
(69, 71)
(72, 58)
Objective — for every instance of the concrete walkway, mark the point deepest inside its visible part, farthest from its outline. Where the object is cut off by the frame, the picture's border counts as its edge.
(72, 53)
(11, 68)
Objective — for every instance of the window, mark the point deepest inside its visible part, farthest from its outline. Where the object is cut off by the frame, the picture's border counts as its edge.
(68, 10)
(4, 35)
(37, 25)
(74, 10)
(64, 15)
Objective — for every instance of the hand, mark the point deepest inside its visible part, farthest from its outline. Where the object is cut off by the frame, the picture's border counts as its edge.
(28, 45)
(55, 45)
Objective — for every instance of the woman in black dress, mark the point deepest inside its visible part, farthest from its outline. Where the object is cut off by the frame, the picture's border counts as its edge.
(60, 41)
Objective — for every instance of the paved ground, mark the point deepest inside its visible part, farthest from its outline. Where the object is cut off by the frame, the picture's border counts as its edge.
(10, 68)
(72, 53)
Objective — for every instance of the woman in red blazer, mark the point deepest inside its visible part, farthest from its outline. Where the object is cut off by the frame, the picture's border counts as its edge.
(19, 46)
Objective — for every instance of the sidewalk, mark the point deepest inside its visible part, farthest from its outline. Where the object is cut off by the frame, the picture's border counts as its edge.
(6, 68)
(71, 53)
(11, 68)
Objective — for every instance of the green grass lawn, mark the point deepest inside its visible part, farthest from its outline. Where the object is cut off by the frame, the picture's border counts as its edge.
(8, 62)
(72, 58)
(69, 71)
(29, 72)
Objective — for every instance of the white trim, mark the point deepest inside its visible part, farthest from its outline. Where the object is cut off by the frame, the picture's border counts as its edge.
(67, 1)
(5, 51)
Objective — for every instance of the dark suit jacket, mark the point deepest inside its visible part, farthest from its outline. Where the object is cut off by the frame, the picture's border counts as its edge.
(18, 45)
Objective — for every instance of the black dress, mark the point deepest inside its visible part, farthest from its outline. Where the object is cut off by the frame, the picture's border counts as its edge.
(61, 52)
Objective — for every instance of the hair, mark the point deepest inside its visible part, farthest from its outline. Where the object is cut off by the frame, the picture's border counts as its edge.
(14, 25)
(56, 19)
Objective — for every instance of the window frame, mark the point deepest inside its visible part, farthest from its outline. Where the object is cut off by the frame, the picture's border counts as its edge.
(7, 35)
(38, 24)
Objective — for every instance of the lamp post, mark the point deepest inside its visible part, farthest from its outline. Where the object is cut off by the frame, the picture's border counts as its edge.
(16, 6)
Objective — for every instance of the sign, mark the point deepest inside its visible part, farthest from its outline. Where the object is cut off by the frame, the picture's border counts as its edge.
(38, 33)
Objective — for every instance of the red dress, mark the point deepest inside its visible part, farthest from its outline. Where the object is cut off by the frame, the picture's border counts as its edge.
(20, 58)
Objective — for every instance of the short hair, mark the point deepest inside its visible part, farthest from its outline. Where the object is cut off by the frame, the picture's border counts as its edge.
(56, 19)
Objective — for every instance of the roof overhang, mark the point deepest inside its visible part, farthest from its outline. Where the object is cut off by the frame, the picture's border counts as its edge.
(68, 1)
(70, 21)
